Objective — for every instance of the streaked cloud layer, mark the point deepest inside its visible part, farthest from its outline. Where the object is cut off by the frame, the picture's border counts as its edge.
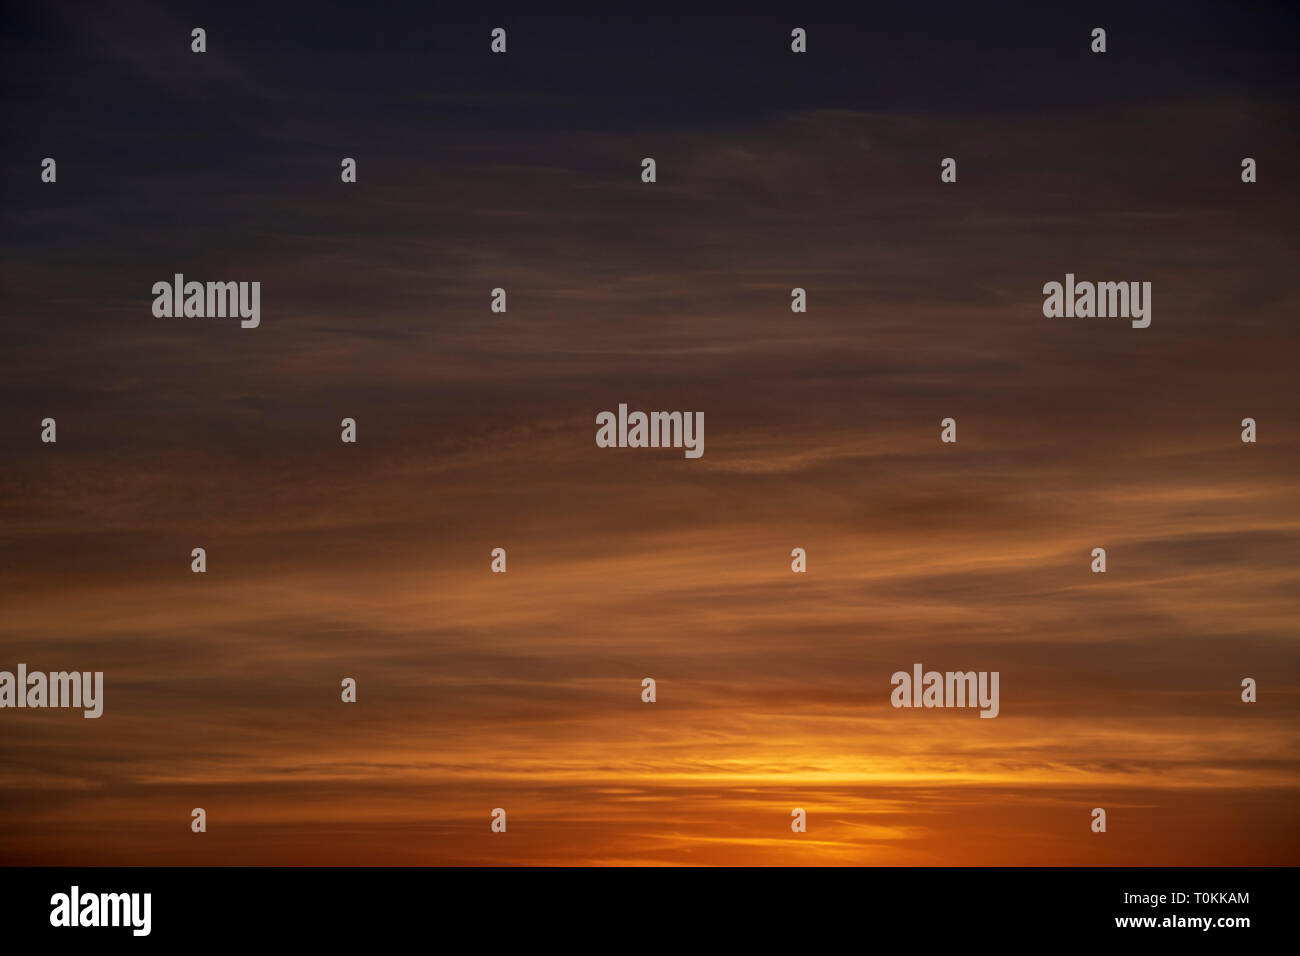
(477, 431)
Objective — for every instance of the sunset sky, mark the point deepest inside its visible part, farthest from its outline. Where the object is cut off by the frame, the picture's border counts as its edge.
(476, 431)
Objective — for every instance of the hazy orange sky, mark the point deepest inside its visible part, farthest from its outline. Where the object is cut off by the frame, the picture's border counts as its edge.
(476, 431)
